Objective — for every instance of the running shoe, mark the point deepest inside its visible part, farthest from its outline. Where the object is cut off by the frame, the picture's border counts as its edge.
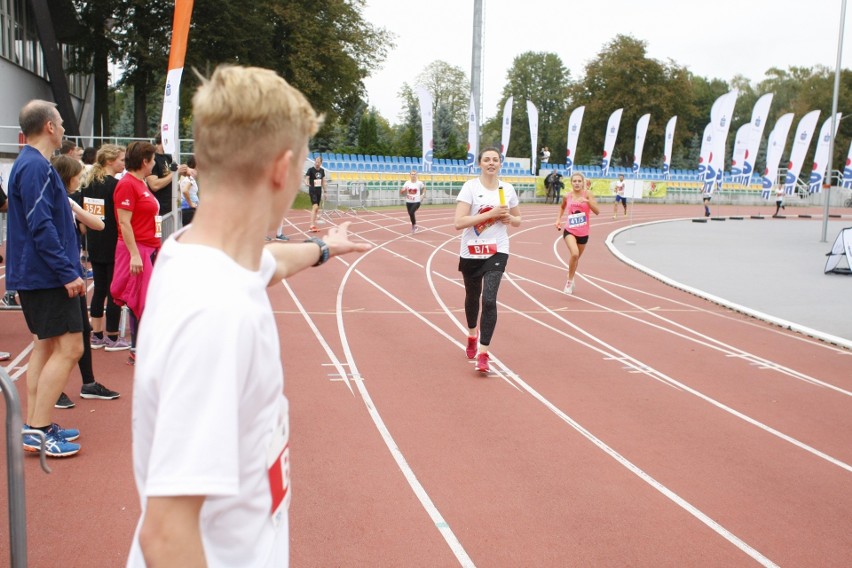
(314, 229)
(5, 355)
(98, 342)
(69, 434)
(89, 274)
(569, 287)
(10, 302)
(282, 238)
(471, 347)
(97, 390)
(267, 239)
(119, 344)
(132, 359)
(55, 444)
(64, 402)
(482, 363)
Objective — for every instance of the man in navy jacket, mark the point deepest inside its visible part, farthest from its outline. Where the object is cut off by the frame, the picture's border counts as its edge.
(43, 265)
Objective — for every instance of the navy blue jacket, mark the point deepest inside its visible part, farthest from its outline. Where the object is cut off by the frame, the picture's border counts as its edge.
(41, 239)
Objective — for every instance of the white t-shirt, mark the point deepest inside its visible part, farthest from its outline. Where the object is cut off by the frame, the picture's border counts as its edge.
(779, 193)
(208, 400)
(619, 188)
(413, 191)
(482, 200)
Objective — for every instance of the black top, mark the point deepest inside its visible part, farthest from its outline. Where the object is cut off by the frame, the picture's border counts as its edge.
(101, 244)
(161, 169)
(313, 174)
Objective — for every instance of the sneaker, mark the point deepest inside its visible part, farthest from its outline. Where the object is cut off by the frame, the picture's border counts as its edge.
(97, 390)
(569, 287)
(10, 302)
(5, 355)
(32, 442)
(64, 402)
(120, 344)
(471, 347)
(98, 342)
(132, 359)
(55, 444)
(69, 434)
(89, 274)
(314, 229)
(282, 238)
(267, 239)
(482, 363)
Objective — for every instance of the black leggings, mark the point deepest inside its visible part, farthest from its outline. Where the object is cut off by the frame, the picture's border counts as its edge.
(412, 209)
(102, 277)
(485, 286)
(85, 362)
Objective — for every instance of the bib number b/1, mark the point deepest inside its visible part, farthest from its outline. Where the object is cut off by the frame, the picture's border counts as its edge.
(482, 248)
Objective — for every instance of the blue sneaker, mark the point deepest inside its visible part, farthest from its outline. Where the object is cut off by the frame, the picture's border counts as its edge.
(69, 434)
(55, 446)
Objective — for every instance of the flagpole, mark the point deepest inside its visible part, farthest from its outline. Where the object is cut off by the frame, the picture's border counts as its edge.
(833, 118)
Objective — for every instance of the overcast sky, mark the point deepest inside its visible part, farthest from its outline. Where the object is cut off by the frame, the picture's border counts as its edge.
(715, 39)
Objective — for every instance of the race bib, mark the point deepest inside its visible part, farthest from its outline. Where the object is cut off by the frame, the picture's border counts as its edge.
(158, 226)
(95, 206)
(278, 466)
(482, 248)
(318, 182)
(577, 220)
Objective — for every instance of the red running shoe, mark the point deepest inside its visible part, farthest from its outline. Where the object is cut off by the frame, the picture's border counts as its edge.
(471, 347)
(482, 363)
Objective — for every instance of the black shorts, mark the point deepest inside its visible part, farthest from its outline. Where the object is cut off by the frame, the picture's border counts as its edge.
(51, 313)
(580, 240)
(477, 267)
(316, 195)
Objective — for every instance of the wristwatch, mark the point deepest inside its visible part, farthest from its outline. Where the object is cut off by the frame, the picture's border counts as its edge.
(324, 254)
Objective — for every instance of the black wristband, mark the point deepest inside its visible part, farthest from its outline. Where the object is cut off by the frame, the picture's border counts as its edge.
(324, 253)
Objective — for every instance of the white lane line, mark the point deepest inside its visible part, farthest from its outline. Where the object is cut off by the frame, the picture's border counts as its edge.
(440, 523)
(671, 495)
(718, 300)
(687, 388)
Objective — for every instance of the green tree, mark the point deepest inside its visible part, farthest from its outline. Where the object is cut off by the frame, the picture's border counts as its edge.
(543, 79)
(622, 76)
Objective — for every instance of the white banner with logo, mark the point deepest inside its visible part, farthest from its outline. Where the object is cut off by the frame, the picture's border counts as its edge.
(821, 160)
(847, 171)
(759, 115)
(668, 144)
(575, 121)
(720, 118)
(425, 98)
(740, 149)
(704, 156)
(639, 145)
(609, 140)
(801, 142)
(774, 149)
(507, 128)
(532, 114)
(472, 136)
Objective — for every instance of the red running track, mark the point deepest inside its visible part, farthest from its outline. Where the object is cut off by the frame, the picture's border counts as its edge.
(631, 424)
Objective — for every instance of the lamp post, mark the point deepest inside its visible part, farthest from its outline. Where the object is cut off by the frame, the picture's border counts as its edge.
(834, 116)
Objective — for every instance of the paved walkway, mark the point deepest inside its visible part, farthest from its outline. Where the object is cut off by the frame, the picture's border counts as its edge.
(772, 269)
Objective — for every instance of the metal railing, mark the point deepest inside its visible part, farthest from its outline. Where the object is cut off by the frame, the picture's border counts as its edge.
(15, 471)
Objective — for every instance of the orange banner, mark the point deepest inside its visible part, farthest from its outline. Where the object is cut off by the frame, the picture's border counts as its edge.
(180, 33)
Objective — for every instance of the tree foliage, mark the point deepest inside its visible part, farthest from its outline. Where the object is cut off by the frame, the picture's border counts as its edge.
(543, 79)
(623, 76)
